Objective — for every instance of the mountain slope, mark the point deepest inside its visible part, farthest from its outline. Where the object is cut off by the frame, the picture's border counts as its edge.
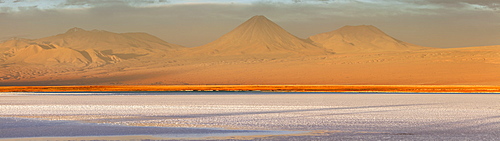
(120, 44)
(259, 35)
(363, 38)
(16, 43)
(55, 55)
(97, 47)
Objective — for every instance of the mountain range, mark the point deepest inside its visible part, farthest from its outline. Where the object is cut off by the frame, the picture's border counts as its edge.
(256, 52)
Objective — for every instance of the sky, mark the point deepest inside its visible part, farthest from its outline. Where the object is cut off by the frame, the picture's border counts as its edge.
(433, 23)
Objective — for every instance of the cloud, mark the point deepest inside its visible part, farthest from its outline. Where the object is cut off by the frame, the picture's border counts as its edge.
(5, 9)
(19, 5)
(478, 4)
(94, 3)
(377, 6)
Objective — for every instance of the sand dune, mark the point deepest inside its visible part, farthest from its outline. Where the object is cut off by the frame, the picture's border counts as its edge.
(256, 52)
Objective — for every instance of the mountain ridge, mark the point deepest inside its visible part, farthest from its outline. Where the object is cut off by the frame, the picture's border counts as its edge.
(116, 43)
(82, 48)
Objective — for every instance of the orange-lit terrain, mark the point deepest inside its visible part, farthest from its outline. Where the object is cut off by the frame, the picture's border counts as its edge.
(275, 88)
(221, 70)
(258, 52)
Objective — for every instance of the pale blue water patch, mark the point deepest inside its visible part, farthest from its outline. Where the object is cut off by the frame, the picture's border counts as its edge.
(26, 128)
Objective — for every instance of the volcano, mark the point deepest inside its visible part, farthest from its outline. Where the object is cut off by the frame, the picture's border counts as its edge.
(259, 35)
(362, 38)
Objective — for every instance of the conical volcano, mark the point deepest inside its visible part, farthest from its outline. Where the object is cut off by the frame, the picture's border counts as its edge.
(259, 35)
(362, 38)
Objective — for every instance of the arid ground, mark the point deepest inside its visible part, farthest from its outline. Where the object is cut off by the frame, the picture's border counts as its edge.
(258, 52)
(264, 88)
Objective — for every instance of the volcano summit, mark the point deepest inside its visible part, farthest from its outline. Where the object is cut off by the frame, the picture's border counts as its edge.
(259, 35)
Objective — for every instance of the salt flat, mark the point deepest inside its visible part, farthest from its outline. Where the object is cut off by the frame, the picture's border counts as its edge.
(325, 116)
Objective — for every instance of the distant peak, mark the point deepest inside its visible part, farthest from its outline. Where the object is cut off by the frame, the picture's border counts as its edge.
(360, 26)
(259, 17)
(75, 29)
